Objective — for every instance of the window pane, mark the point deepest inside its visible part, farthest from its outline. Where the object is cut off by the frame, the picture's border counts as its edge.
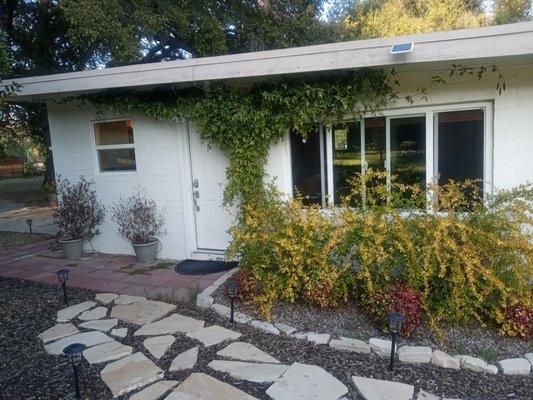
(460, 145)
(306, 176)
(117, 160)
(346, 157)
(115, 132)
(408, 149)
(375, 143)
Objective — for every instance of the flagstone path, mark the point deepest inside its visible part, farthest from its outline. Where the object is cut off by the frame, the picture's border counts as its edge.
(126, 370)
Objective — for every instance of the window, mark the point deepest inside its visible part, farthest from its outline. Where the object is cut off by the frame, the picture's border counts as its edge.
(115, 146)
(417, 145)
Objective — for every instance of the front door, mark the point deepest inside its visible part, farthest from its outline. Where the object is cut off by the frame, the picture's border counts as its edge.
(208, 170)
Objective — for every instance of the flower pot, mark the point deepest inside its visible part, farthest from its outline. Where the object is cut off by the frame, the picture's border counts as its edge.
(72, 248)
(147, 252)
(52, 199)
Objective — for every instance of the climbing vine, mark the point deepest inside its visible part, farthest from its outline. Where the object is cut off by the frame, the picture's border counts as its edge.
(243, 122)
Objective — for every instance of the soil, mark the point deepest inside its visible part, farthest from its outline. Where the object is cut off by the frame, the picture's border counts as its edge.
(9, 240)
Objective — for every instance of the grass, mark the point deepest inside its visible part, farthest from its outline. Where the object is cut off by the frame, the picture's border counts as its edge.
(192, 291)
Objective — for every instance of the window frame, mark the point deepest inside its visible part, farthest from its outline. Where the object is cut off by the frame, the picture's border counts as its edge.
(98, 147)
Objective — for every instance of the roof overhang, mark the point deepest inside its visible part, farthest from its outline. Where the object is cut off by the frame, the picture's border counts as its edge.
(494, 43)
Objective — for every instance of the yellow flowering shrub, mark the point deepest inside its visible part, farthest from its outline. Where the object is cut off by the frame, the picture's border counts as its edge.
(470, 259)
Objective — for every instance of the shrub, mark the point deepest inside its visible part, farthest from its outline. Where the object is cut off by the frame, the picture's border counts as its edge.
(138, 219)
(78, 212)
(245, 285)
(518, 321)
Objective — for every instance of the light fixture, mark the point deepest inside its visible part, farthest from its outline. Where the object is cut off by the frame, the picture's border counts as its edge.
(232, 289)
(30, 223)
(402, 48)
(75, 354)
(62, 276)
(396, 321)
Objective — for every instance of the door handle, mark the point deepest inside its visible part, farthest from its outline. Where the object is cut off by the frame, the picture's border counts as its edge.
(195, 197)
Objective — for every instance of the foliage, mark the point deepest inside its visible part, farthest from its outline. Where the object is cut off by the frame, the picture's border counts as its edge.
(518, 321)
(246, 288)
(78, 212)
(509, 11)
(138, 219)
(466, 259)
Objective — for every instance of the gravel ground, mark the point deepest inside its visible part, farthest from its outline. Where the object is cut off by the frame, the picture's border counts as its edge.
(350, 322)
(27, 372)
(10, 240)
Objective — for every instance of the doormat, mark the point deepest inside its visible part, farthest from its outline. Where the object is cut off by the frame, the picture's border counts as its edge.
(202, 267)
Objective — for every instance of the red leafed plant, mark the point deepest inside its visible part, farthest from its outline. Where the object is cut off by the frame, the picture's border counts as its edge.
(406, 301)
(245, 286)
(518, 321)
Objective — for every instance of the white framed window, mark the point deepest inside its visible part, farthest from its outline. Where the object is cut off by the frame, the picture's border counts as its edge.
(417, 145)
(115, 145)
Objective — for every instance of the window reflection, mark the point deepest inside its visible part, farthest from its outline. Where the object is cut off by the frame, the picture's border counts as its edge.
(408, 149)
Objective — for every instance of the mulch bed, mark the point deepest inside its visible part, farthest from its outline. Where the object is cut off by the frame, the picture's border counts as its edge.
(27, 372)
(9, 240)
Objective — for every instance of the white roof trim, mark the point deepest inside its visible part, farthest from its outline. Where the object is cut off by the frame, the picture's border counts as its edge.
(513, 40)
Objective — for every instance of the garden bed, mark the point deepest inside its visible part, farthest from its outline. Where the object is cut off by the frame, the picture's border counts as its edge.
(350, 322)
(9, 240)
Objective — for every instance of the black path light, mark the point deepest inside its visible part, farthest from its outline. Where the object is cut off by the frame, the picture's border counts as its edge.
(75, 353)
(62, 275)
(30, 223)
(395, 325)
(232, 288)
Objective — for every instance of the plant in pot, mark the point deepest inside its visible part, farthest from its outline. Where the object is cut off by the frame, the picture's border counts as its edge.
(77, 216)
(141, 224)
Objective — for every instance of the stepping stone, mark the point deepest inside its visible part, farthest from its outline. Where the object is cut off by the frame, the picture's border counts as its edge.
(106, 298)
(128, 299)
(351, 345)
(253, 372)
(57, 332)
(66, 314)
(303, 381)
(199, 386)
(423, 395)
(158, 345)
(172, 324)
(265, 327)
(318, 338)
(444, 360)
(119, 332)
(100, 324)
(106, 352)
(142, 312)
(185, 360)
(246, 352)
(380, 346)
(95, 313)
(376, 389)
(515, 366)
(286, 329)
(130, 373)
(155, 391)
(414, 354)
(213, 335)
(89, 339)
(529, 357)
(477, 364)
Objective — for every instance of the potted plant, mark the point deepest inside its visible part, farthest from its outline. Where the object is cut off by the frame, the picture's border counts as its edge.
(141, 224)
(77, 215)
(49, 188)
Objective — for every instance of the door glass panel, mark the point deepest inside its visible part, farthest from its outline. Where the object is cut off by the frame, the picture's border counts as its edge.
(117, 160)
(408, 149)
(375, 143)
(306, 174)
(346, 157)
(114, 132)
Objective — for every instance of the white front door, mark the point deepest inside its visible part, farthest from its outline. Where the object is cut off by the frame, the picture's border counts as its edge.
(208, 170)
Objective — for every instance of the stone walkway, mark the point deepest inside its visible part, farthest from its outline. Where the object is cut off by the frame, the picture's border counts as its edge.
(100, 272)
(127, 370)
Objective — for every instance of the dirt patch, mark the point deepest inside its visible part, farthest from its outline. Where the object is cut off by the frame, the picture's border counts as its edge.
(10, 240)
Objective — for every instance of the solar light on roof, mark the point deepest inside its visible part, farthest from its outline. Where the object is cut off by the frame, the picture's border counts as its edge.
(402, 48)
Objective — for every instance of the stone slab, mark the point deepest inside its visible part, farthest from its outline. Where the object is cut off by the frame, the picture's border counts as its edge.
(423, 395)
(221, 310)
(172, 324)
(204, 300)
(158, 345)
(444, 360)
(213, 335)
(303, 381)
(265, 327)
(155, 391)
(286, 329)
(129, 299)
(57, 332)
(318, 338)
(351, 345)
(142, 312)
(185, 360)
(246, 352)
(199, 386)
(66, 314)
(95, 313)
(529, 357)
(89, 339)
(100, 324)
(119, 332)
(414, 354)
(241, 318)
(130, 373)
(252, 372)
(476, 364)
(381, 347)
(376, 389)
(515, 366)
(106, 298)
(106, 352)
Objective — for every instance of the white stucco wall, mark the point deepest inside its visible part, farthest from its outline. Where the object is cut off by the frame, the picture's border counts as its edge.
(159, 152)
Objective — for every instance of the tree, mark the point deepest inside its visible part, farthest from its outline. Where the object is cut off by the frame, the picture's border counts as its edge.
(508, 11)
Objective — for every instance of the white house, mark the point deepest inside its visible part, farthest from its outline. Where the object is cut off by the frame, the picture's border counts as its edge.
(464, 129)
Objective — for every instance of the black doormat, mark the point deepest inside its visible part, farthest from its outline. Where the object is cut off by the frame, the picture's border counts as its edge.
(202, 267)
